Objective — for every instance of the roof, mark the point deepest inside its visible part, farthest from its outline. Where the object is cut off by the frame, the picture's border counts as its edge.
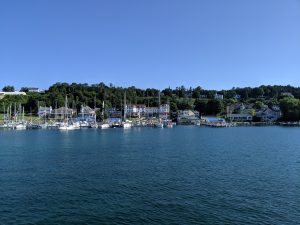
(239, 115)
(214, 119)
(12, 93)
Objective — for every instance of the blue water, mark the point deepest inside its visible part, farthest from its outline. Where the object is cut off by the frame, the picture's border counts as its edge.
(184, 175)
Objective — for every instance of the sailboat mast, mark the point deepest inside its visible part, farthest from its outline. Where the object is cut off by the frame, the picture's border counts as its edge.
(3, 112)
(66, 110)
(95, 119)
(39, 111)
(55, 111)
(23, 115)
(45, 115)
(15, 112)
(125, 106)
(158, 103)
(103, 105)
(30, 115)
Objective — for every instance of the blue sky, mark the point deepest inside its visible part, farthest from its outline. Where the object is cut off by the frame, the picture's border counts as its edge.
(150, 43)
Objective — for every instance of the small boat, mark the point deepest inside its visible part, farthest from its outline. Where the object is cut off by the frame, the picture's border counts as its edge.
(94, 125)
(53, 126)
(105, 126)
(43, 126)
(126, 125)
(33, 126)
(168, 123)
(20, 126)
(84, 124)
(66, 127)
(159, 125)
(3, 126)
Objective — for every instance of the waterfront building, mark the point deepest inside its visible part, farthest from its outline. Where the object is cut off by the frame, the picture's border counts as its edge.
(239, 108)
(142, 110)
(44, 111)
(87, 113)
(62, 112)
(188, 117)
(269, 114)
(114, 112)
(240, 112)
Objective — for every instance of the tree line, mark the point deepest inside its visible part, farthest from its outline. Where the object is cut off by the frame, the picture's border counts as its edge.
(180, 98)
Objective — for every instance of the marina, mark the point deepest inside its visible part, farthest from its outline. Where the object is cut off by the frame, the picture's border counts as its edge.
(150, 112)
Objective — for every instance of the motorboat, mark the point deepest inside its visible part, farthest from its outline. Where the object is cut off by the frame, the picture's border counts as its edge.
(105, 126)
(126, 125)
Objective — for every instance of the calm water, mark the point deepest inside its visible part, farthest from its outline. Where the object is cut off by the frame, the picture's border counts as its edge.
(184, 175)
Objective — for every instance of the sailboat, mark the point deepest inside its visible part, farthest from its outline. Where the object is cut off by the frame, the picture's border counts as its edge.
(66, 125)
(125, 124)
(103, 125)
(21, 125)
(159, 124)
(168, 122)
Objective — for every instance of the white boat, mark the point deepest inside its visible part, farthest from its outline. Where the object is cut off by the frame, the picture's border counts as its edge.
(76, 125)
(84, 124)
(53, 126)
(44, 126)
(126, 125)
(168, 123)
(94, 125)
(32, 126)
(20, 126)
(3, 126)
(105, 126)
(67, 127)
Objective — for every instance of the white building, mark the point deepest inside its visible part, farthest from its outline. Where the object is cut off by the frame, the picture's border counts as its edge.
(143, 110)
(219, 96)
(34, 89)
(3, 94)
(44, 111)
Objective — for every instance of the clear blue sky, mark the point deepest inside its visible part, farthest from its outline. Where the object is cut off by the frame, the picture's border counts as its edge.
(150, 43)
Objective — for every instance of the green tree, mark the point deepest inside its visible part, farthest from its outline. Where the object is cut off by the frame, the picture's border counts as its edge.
(214, 107)
(201, 106)
(197, 92)
(24, 89)
(8, 88)
(258, 105)
(290, 108)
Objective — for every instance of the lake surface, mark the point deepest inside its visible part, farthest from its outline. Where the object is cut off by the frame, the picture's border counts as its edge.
(184, 175)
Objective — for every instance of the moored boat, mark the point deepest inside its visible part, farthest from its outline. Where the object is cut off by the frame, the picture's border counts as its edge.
(104, 126)
(126, 125)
